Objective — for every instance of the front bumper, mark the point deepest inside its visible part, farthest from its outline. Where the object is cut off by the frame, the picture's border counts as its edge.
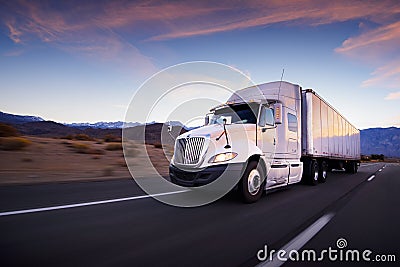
(204, 176)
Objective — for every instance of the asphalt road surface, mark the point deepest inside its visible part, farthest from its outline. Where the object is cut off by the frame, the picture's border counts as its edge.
(110, 223)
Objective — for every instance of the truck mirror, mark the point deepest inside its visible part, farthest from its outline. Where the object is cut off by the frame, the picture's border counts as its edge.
(261, 119)
(278, 113)
(169, 128)
(206, 120)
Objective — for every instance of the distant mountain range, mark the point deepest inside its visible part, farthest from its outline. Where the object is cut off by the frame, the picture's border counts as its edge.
(151, 132)
(102, 125)
(114, 125)
(384, 141)
(20, 119)
(17, 119)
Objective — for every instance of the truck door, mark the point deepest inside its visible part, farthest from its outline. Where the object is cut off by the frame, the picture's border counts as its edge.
(292, 134)
(266, 131)
(279, 172)
(293, 148)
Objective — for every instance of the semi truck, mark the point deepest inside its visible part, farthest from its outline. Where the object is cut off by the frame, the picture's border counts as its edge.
(267, 136)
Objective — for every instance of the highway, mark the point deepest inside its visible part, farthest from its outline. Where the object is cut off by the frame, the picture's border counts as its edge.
(110, 223)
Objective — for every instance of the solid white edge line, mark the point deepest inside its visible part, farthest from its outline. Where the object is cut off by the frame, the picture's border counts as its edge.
(300, 240)
(370, 178)
(8, 213)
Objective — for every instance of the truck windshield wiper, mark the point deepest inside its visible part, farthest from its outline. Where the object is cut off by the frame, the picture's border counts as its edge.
(226, 136)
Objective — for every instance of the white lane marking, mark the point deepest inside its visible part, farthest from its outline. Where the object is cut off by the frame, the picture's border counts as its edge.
(8, 213)
(299, 241)
(368, 165)
(370, 178)
(380, 170)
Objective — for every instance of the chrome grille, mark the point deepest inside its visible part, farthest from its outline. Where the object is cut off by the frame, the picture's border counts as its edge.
(188, 150)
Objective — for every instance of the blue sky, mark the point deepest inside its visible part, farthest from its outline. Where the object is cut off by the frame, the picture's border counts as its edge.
(81, 61)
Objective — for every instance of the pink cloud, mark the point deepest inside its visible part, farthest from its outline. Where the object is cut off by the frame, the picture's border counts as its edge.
(14, 33)
(98, 29)
(14, 53)
(74, 30)
(115, 15)
(389, 33)
(393, 96)
(166, 20)
(386, 76)
(377, 47)
(265, 13)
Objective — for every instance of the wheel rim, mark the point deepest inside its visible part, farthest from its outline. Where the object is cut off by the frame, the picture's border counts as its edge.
(316, 174)
(253, 182)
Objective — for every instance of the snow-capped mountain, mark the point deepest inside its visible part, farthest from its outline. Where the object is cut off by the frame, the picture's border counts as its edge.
(20, 119)
(17, 119)
(103, 125)
(121, 124)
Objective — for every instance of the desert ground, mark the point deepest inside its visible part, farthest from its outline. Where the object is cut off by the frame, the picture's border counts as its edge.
(46, 160)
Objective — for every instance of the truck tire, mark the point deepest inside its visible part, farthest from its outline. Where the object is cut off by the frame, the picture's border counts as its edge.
(351, 167)
(311, 172)
(251, 185)
(354, 167)
(323, 171)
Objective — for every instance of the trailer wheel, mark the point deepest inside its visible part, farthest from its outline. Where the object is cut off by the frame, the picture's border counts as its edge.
(354, 167)
(311, 172)
(323, 172)
(251, 186)
(351, 167)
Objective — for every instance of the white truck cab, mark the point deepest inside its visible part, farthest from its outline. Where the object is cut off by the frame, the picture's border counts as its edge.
(259, 136)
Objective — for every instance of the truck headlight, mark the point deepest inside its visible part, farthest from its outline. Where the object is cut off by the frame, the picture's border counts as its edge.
(223, 157)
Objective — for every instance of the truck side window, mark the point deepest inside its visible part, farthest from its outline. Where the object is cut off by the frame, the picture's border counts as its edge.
(261, 121)
(269, 117)
(266, 117)
(292, 122)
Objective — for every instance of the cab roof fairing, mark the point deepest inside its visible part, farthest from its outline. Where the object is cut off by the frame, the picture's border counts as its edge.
(272, 92)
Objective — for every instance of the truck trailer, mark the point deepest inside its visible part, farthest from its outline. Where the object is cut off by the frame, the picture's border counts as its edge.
(267, 136)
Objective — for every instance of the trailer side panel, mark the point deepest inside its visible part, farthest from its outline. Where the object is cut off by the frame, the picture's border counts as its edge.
(326, 133)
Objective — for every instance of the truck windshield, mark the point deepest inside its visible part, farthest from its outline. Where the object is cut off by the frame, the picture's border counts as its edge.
(244, 113)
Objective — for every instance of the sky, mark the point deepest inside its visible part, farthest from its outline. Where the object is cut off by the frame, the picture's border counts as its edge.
(82, 61)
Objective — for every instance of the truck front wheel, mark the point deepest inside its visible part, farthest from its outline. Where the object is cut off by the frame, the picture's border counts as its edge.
(251, 185)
